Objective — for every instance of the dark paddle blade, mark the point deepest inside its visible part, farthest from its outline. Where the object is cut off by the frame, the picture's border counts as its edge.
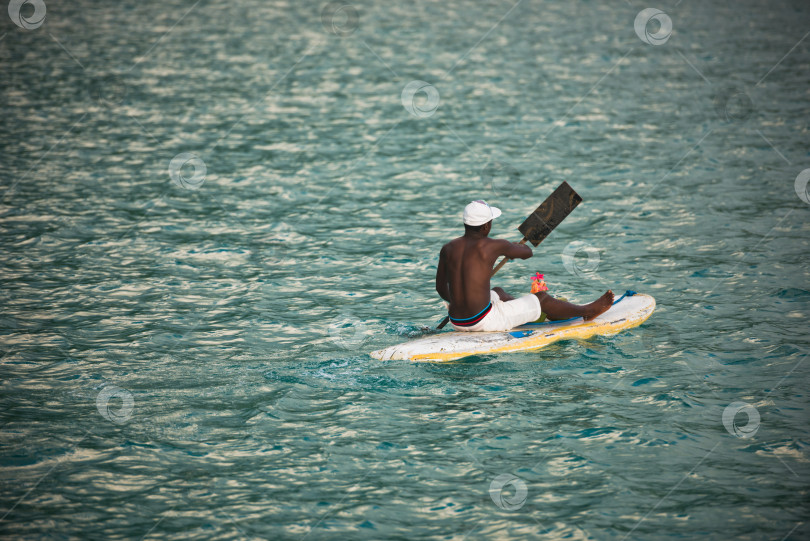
(550, 213)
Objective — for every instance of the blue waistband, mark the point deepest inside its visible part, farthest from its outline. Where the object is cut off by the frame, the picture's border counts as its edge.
(469, 321)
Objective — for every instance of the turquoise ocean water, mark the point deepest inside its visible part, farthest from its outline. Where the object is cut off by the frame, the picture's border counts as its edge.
(211, 212)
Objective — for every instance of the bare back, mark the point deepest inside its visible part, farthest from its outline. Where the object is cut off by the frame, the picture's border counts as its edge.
(465, 266)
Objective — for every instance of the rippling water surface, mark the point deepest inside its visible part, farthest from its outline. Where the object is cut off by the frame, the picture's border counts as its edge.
(191, 361)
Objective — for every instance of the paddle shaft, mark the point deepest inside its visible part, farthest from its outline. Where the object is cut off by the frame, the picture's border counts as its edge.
(446, 319)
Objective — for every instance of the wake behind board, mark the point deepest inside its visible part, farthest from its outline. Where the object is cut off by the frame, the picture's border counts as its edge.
(629, 310)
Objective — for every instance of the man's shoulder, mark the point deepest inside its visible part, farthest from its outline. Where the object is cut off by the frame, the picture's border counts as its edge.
(450, 244)
(499, 242)
(497, 247)
(484, 241)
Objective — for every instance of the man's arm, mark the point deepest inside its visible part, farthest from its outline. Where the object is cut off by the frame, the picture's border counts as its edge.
(513, 250)
(442, 287)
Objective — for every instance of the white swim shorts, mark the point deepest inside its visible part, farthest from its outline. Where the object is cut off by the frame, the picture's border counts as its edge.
(503, 315)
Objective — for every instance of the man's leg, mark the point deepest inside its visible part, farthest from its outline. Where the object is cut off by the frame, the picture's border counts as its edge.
(556, 309)
(503, 295)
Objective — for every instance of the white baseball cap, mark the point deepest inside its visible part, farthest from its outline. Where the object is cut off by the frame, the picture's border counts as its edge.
(479, 212)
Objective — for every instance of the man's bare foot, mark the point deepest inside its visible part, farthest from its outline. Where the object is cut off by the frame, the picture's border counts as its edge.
(599, 306)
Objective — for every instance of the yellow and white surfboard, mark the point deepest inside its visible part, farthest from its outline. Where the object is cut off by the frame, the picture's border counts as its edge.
(630, 310)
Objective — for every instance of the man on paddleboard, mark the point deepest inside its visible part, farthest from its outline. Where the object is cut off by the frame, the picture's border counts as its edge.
(462, 280)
